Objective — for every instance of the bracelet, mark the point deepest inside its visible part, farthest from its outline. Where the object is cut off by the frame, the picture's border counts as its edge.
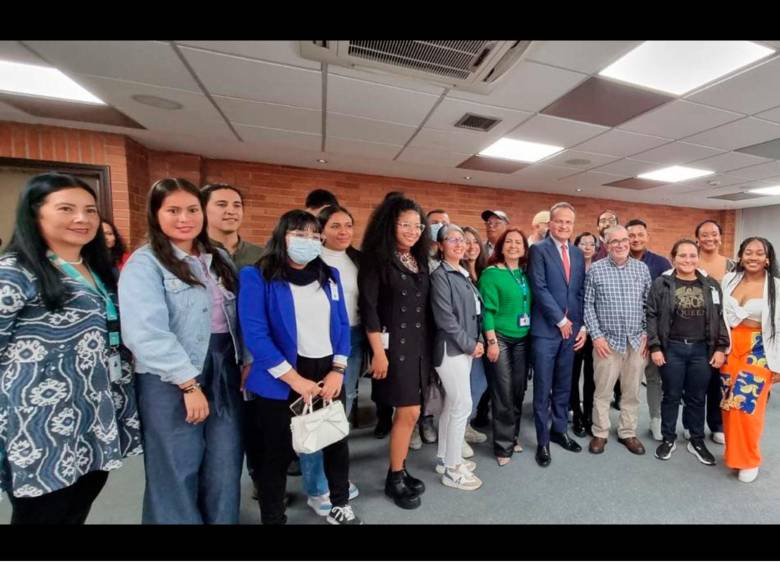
(338, 369)
(192, 388)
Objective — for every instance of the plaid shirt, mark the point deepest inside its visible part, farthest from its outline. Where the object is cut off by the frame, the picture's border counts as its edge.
(615, 302)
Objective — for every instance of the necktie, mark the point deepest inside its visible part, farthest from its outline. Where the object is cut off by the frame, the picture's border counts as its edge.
(566, 266)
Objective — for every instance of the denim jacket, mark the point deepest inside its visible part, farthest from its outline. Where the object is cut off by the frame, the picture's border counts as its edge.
(166, 322)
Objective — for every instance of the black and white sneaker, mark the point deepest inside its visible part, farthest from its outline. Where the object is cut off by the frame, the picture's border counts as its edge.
(701, 452)
(343, 516)
(664, 450)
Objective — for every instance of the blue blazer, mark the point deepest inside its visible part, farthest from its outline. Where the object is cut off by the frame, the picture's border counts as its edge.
(553, 297)
(267, 314)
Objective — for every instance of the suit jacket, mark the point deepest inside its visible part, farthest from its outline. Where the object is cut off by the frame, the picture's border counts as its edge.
(553, 297)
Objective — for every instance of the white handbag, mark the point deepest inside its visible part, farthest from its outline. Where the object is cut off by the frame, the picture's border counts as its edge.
(316, 429)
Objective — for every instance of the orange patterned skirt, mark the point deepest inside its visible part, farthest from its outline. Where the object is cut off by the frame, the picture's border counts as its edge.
(745, 383)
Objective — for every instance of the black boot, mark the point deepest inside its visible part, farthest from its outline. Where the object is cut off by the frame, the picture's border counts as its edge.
(401, 494)
(578, 425)
(416, 485)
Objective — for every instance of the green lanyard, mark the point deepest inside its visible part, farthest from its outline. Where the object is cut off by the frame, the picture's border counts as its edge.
(523, 288)
(112, 316)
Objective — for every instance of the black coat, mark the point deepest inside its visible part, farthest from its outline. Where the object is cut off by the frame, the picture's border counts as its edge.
(660, 313)
(395, 300)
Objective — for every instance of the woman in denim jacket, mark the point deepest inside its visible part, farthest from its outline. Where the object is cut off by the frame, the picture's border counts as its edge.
(177, 294)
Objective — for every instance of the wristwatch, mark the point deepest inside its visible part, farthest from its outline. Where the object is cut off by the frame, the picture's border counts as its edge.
(492, 341)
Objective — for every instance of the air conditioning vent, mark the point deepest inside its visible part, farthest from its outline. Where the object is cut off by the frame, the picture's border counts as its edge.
(737, 196)
(469, 65)
(476, 123)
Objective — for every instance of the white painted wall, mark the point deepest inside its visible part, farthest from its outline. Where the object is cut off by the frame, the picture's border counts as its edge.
(763, 221)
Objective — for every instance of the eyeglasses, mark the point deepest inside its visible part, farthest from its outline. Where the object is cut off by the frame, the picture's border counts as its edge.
(586, 245)
(409, 227)
(306, 234)
(610, 220)
(455, 240)
(494, 223)
(623, 241)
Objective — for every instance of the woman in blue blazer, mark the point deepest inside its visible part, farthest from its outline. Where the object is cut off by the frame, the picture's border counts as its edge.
(287, 303)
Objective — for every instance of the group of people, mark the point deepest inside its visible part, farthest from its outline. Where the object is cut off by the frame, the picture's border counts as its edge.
(193, 348)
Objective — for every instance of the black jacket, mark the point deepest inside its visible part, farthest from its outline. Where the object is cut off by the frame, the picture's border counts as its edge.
(660, 313)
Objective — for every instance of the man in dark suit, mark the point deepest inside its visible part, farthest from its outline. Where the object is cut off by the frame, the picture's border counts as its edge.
(557, 275)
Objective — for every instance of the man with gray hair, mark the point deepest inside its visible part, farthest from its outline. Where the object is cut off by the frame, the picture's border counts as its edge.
(616, 290)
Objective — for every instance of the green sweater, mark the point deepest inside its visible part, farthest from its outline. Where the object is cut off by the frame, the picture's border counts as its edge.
(507, 296)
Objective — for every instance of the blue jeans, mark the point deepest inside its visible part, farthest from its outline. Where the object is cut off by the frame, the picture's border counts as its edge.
(478, 384)
(193, 472)
(685, 375)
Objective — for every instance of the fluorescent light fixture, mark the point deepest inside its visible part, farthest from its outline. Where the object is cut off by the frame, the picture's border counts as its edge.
(34, 80)
(767, 191)
(675, 174)
(517, 150)
(677, 67)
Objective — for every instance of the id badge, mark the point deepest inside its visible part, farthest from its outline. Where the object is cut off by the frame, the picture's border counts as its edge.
(334, 291)
(715, 297)
(114, 367)
(385, 337)
(523, 321)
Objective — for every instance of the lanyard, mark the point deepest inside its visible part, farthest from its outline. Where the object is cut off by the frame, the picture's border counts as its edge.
(520, 280)
(112, 316)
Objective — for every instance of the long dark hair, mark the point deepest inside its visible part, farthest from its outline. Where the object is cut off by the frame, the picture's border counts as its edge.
(771, 270)
(273, 264)
(161, 245)
(30, 247)
(119, 249)
(498, 250)
(481, 263)
(379, 241)
(323, 218)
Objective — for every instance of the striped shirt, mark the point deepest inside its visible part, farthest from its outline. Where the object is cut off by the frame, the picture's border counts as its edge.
(615, 299)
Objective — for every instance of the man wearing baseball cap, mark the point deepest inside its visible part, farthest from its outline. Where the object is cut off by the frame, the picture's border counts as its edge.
(496, 222)
(539, 227)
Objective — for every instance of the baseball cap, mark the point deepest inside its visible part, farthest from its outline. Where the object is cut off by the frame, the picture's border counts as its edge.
(542, 217)
(500, 214)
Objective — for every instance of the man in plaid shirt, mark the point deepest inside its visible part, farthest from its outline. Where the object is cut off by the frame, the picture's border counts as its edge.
(616, 290)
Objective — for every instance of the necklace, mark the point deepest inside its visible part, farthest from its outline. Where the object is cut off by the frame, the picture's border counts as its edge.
(79, 262)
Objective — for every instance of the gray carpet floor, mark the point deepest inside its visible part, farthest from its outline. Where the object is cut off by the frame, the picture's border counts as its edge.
(616, 487)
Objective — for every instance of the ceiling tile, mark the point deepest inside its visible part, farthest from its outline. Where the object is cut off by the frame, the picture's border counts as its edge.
(527, 86)
(284, 52)
(741, 133)
(150, 62)
(350, 127)
(728, 161)
(491, 164)
(379, 77)
(769, 149)
(377, 102)
(228, 75)
(711, 182)
(594, 159)
(758, 172)
(451, 110)
(621, 143)
(432, 156)
(291, 139)
(588, 179)
(15, 51)
(676, 153)
(269, 115)
(555, 131)
(679, 119)
(635, 184)
(584, 56)
(752, 91)
(454, 140)
(361, 148)
(543, 172)
(628, 167)
(772, 115)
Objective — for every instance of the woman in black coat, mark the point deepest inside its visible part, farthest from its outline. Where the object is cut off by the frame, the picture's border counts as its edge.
(394, 283)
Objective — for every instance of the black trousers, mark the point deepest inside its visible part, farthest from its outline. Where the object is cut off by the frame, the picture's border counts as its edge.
(507, 391)
(69, 505)
(269, 442)
(584, 356)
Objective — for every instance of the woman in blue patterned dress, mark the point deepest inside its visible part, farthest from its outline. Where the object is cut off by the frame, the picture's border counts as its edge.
(67, 406)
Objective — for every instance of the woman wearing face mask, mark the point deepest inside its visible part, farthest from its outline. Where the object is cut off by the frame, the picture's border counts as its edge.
(507, 295)
(288, 303)
(753, 363)
(457, 311)
(583, 415)
(179, 320)
(687, 337)
(67, 405)
(394, 283)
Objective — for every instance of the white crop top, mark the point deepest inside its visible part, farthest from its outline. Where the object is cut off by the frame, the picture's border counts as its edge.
(751, 310)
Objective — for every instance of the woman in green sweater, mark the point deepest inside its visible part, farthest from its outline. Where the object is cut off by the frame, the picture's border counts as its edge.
(507, 295)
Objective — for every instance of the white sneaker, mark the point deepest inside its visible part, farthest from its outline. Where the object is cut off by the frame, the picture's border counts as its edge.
(718, 437)
(440, 466)
(320, 504)
(466, 451)
(416, 441)
(687, 434)
(748, 475)
(473, 436)
(460, 478)
(655, 429)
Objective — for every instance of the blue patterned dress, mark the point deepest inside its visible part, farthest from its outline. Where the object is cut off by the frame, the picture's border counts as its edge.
(61, 417)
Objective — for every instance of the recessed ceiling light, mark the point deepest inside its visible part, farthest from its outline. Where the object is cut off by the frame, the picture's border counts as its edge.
(579, 190)
(678, 67)
(35, 80)
(157, 102)
(518, 150)
(675, 174)
(467, 178)
(323, 161)
(767, 191)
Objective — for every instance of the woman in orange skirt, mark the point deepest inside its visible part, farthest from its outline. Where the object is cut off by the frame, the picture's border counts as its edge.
(753, 364)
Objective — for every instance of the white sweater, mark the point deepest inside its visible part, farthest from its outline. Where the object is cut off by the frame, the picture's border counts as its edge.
(348, 272)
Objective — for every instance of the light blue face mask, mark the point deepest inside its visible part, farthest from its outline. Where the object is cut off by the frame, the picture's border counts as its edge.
(303, 250)
(435, 230)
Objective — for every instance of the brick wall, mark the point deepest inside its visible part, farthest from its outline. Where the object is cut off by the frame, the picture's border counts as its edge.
(273, 189)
